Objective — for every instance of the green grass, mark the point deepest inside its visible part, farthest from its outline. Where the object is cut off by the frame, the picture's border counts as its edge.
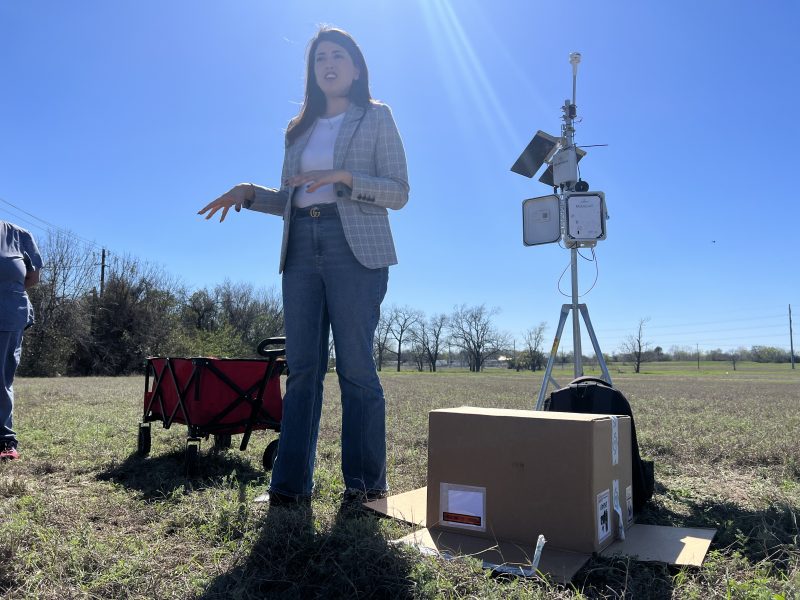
(82, 516)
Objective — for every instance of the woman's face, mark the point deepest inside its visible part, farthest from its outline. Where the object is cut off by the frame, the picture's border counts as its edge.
(334, 69)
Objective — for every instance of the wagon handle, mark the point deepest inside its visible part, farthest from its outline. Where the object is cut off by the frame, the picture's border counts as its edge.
(272, 352)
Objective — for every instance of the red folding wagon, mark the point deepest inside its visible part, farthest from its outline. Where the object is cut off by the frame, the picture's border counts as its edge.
(218, 397)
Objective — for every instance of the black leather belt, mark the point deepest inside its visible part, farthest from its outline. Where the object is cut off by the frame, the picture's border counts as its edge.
(316, 212)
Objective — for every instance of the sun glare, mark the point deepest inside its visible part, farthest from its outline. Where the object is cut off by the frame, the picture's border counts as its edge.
(465, 77)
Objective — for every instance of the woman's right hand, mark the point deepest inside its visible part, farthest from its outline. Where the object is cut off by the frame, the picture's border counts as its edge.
(236, 196)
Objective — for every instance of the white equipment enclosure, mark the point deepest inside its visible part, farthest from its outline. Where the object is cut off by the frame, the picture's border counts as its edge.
(540, 220)
(586, 218)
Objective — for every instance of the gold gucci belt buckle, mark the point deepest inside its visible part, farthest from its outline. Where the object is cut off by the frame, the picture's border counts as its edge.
(314, 212)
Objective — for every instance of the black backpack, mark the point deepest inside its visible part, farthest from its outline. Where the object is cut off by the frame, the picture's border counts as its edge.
(596, 396)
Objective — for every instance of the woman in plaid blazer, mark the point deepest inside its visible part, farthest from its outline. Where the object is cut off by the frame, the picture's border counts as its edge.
(343, 168)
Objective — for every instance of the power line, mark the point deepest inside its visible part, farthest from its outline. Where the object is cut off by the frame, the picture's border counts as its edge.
(717, 341)
(689, 335)
(697, 324)
(726, 330)
(18, 219)
(22, 210)
(770, 339)
(50, 227)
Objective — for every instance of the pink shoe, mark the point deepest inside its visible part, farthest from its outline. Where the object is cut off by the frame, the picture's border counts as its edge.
(9, 452)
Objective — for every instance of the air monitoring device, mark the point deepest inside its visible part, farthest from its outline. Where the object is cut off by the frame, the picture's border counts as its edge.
(582, 214)
(585, 218)
(572, 215)
(541, 223)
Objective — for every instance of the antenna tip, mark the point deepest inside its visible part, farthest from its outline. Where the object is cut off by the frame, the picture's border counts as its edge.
(574, 58)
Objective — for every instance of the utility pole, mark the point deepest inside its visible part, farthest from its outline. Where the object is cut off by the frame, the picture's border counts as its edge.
(94, 310)
(102, 271)
(791, 337)
(514, 354)
(698, 356)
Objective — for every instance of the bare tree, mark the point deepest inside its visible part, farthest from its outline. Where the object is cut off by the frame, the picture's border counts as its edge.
(429, 336)
(402, 320)
(636, 346)
(418, 356)
(382, 333)
(472, 330)
(238, 305)
(199, 311)
(534, 339)
(269, 322)
(62, 304)
(254, 313)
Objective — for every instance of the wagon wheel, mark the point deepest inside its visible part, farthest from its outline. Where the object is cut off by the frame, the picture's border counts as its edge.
(222, 441)
(143, 443)
(191, 458)
(270, 454)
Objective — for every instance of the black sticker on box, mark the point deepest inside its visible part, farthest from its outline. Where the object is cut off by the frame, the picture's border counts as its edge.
(603, 515)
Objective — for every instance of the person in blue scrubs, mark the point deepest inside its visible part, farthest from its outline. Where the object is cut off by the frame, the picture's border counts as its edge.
(20, 265)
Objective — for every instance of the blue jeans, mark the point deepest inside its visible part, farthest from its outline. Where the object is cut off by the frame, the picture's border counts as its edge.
(324, 288)
(10, 351)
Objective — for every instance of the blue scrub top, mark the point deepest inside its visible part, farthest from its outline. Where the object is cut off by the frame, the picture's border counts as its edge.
(18, 255)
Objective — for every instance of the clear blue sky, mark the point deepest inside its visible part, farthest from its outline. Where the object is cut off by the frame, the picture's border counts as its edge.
(119, 120)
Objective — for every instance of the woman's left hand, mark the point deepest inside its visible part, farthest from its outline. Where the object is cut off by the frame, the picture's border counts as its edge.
(316, 179)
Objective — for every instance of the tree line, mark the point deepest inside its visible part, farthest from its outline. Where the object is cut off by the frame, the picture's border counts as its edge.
(139, 310)
(467, 337)
(637, 350)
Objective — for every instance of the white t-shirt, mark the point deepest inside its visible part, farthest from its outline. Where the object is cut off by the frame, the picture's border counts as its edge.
(318, 156)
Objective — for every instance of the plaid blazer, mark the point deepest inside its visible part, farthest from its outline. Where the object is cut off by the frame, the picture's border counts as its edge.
(369, 146)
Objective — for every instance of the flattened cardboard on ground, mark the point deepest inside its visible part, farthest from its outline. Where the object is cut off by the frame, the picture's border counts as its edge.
(657, 543)
(512, 475)
(408, 506)
(647, 543)
(506, 557)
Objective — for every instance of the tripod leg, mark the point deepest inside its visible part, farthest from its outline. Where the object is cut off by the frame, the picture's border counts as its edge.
(565, 308)
(597, 351)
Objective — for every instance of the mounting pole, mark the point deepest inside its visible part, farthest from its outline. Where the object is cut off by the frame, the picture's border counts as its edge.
(577, 359)
(569, 138)
(791, 337)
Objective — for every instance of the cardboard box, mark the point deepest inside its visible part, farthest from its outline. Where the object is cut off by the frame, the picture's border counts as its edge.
(522, 472)
(512, 475)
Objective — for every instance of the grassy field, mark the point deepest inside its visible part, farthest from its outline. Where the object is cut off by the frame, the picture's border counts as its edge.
(82, 516)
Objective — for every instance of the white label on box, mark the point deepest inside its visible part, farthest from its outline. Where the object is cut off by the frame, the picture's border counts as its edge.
(629, 502)
(603, 515)
(614, 440)
(462, 506)
(618, 510)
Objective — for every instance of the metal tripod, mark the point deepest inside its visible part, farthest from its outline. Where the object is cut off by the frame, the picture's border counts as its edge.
(576, 338)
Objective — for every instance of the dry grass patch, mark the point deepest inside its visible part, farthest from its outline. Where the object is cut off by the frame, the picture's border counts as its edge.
(82, 516)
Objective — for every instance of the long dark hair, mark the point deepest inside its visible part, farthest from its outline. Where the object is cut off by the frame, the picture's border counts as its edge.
(314, 103)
